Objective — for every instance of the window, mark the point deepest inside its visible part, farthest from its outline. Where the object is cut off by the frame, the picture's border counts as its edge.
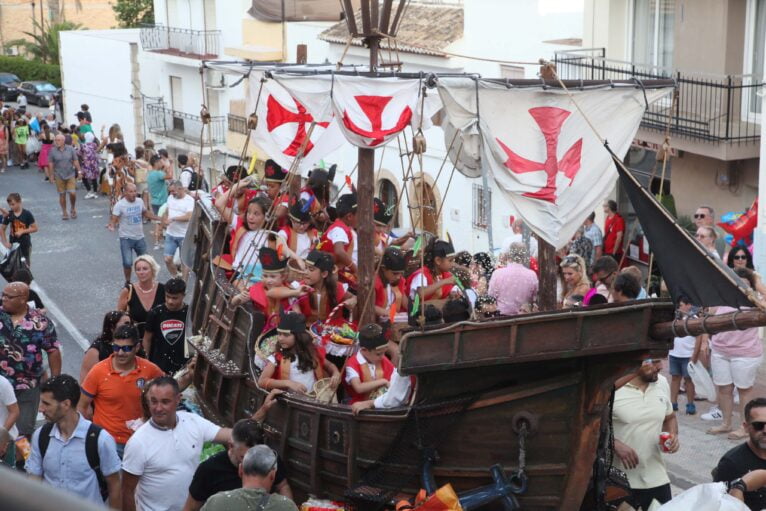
(388, 194)
(480, 212)
(755, 39)
(652, 32)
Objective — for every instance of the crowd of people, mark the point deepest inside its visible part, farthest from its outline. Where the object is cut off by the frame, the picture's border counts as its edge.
(122, 433)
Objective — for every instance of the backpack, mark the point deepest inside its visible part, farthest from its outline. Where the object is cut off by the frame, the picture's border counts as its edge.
(91, 452)
(197, 182)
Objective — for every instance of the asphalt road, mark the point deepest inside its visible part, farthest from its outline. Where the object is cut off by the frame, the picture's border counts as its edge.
(75, 263)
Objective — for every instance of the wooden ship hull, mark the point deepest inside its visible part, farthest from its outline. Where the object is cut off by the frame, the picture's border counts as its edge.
(476, 383)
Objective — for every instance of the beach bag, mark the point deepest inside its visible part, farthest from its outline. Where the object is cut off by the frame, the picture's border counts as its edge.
(704, 497)
(703, 384)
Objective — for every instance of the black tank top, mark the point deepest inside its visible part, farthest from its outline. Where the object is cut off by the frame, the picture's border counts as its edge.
(136, 309)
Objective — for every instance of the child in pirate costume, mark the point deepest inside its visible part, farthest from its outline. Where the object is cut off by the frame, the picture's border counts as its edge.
(326, 292)
(271, 295)
(340, 239)
(382, 216)
(298, 364)
(317, 194)
(390, 293)
(274, 176)
(370, 369)
(247, 235)
(434, 281)
(398, 387)
(299, 235)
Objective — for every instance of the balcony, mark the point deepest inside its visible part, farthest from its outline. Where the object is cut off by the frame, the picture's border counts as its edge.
(237, 124)
(717, 109)
(181, 42)
(182, 126)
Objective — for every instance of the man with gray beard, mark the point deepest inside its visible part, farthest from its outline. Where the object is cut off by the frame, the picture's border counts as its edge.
(748, 456)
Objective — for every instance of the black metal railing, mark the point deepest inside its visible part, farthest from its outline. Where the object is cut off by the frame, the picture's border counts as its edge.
(200, 44)
(182, 126)
(715, 108)
(237, 123)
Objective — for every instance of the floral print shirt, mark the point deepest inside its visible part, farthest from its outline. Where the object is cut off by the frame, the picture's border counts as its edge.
(21, 347)
(89, 160)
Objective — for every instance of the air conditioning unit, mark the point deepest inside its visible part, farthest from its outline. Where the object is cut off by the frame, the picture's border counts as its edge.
(215, 79)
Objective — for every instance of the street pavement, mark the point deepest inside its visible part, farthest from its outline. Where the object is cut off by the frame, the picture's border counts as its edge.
(75, 263)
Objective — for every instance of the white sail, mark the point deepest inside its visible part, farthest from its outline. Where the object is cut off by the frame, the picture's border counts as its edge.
(539, 148)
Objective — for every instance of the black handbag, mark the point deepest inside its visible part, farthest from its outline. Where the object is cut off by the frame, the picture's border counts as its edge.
(13, 262)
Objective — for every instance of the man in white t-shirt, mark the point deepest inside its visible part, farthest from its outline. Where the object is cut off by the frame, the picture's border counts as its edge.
(180, 207)
(161, 457)
(9, 412)
(518, 237)
(128, 213)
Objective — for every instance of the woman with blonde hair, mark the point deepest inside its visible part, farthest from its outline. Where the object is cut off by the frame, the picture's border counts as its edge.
(575, 279)
(140, 297)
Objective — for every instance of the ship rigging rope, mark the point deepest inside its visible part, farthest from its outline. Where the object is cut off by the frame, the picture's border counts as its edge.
(411, 156)
(270, 214)
(748, 292)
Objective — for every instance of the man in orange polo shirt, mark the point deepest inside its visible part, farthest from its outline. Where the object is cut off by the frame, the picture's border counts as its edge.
(114, 386)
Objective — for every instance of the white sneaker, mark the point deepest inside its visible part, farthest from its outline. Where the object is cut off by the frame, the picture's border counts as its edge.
(89, 195)
(714, 414)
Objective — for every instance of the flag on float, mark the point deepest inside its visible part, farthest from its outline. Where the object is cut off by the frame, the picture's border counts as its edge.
(284, 123)
(541, 151)
(370, 111)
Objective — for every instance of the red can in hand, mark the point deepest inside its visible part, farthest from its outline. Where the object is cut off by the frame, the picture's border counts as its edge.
(665, 441)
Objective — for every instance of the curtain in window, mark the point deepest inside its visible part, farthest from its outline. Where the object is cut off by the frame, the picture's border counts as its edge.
(653, 32)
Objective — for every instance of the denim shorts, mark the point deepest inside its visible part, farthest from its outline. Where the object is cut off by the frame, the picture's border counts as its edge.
(678, 366)
(127, 246)
(171, 244)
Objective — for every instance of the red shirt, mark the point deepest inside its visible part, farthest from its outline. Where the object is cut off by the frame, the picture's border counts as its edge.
(612, 226)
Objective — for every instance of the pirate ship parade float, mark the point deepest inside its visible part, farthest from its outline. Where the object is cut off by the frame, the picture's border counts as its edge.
(510, 411)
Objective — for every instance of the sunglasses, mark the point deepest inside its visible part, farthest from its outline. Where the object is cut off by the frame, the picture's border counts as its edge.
(699, 215)
(650, 361)
(125, 349)
(757, 425)
(740, 258)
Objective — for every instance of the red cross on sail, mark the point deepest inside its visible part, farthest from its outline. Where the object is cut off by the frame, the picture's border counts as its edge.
(373, 108)
(278, 115)
(550, 120)
(284, 123)
(540, 150)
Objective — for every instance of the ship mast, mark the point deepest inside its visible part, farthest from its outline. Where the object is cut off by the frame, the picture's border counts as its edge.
(378, 21)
